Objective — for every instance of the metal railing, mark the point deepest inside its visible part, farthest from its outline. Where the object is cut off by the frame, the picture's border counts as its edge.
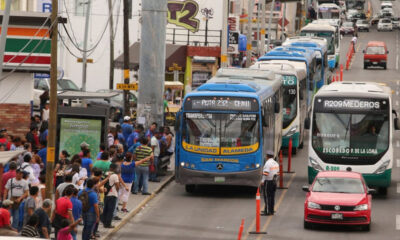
(199, 38)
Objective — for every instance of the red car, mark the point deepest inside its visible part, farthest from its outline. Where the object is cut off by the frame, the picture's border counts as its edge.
(340, 198)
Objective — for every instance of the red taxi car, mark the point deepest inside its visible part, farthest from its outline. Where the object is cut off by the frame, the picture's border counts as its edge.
(340, 198)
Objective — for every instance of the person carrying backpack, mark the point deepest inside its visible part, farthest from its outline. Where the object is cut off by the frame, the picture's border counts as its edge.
(111, 188)
(90, 209)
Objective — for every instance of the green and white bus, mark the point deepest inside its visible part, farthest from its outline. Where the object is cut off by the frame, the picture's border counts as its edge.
(294, 101)
(352, 130)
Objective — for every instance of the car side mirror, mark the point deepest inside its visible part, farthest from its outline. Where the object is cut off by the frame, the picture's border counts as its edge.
(364, 51)
(307, 123)
(387, 52)
(306, 188)
(277, 107)
(371, 191)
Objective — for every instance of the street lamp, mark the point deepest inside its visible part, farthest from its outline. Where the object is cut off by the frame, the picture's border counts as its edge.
(208, 14)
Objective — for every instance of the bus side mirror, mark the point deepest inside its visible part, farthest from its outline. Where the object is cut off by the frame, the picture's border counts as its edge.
(396, 124)
(301, 95)
(277, 107)
(306, 188)
(371, 191)
(307, 123)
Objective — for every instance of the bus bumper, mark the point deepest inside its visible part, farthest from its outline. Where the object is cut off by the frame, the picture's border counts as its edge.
(248, 178)
(372, 180)
(295, 140)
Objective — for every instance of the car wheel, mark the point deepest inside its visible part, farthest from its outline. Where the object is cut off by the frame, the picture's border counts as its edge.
(308, 225)
(190, 188)
(365, 66)
(384, 66)
(366, 227)
(367, 30)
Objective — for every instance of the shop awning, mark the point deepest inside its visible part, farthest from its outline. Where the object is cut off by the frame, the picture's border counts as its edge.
(173, 54)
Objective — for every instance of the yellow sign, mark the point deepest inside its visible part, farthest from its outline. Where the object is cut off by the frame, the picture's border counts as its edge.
(216, 150)
(175, 67)
(126, 86)
(88, 60)
(51, 154)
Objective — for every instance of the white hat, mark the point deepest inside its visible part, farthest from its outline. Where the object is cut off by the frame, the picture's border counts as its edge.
(127, 118)
(270, 153)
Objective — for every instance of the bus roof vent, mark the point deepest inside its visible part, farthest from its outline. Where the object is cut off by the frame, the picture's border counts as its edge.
(228, 87)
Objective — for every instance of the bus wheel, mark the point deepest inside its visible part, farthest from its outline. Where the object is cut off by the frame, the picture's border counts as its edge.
(382, 191)
(294, 151)
(190, 188)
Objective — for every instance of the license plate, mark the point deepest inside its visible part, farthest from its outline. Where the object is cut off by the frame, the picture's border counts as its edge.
(337, 216)
(219, 179)
(374, 63)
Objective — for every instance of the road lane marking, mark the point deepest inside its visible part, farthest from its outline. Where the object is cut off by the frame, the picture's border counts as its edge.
(397, 62)
(253, 223)
(398, 83)
(397, 103)
(397, 143)
(398, 187)
(397, 92)
(397, 222)
(398, 163)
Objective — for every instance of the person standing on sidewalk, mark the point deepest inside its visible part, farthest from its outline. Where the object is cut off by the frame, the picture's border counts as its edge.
(5, 219)
(155, 146)
(16, 190)
(110, 200)
(63, 210)
(91, 214)
(142, 170)
(354, 42)
(270, 171)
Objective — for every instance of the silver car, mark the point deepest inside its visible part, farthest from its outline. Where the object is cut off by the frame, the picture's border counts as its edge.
(396, 22)
(362, 25)
(385, 24)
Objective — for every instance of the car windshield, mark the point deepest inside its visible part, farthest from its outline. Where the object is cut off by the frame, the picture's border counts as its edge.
(375, 50)
(362, 22)
(338, 185)
(66, 84)
(386, 21)
(348, 24)
(221, 129)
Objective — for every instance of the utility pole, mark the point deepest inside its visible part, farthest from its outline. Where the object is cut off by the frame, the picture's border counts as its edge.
(283, 22)
(152, 62)
(3, 36)
(126, 56)
(258, 28)
(85, 42)
(51, 143)
(249, 32)
(263, 23)
(224, 37)
(271, 11)
(110, 9)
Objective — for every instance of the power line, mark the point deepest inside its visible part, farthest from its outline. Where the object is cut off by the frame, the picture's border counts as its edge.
(65, 45)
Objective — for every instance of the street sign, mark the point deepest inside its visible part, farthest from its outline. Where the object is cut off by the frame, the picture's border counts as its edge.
(280, 22)
(175, 67)
(233, 39)
(88, 60)
(127, 86)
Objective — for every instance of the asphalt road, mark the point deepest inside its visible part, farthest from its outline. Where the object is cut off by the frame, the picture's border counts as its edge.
(216, 212)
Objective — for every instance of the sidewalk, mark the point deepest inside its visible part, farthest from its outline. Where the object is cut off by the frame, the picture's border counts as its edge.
(135, 205)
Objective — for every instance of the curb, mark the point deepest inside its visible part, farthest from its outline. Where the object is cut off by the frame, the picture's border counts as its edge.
(135, 211)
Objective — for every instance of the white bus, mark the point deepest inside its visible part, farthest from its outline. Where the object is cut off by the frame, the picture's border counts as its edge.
(332, 36)
(329, 11)
(294, 101)
(351, 130)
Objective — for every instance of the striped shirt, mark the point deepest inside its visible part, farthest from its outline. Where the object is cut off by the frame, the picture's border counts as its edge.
(29, 231)
(143, 152)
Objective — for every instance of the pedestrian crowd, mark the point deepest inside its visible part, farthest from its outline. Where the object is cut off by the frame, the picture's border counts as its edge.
(88, 189)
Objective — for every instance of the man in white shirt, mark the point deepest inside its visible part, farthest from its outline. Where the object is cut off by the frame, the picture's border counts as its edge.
(354, 42)
(270, 172)
(155, 146)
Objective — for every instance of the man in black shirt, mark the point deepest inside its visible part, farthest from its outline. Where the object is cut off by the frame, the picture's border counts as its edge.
(44, 221)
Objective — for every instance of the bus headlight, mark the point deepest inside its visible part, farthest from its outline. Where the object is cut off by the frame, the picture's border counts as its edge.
(257, 165)
(382, 168)
(182, 164)
(315, 165)
(291, 131)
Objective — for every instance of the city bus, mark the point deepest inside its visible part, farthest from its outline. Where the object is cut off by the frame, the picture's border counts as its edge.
(226, 126)
(355, 4)
(329, 11)
(332, 36)
(300, 58)
(294, 101)
(351, 130)
(320, 46)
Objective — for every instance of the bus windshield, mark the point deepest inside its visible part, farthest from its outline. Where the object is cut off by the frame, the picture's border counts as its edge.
(289, 100)
(352, 135)
(328, 13)
(329, 36)
(221, 129)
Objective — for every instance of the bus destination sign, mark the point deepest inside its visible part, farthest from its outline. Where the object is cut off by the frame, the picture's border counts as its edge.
(221, 103)
(351, 104)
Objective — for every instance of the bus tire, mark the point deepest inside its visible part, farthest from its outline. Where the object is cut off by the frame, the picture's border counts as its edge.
(294, 150)
(190, 188)
(382, 191)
